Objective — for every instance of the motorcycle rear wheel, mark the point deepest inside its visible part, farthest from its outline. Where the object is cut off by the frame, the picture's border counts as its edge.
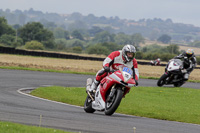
(162, 80)
(110, 107)
(88, 105)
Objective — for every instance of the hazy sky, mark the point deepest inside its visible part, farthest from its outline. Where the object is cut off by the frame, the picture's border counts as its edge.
(184, 11)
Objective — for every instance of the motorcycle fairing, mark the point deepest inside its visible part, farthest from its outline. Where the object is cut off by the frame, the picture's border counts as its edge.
(175, 64)
(106, 84)
(115, 78)
(98, 103)
(172, 67)
(129, 83)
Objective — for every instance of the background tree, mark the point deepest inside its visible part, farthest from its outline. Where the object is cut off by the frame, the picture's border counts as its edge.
(16, 26)
(34, 45)
(103, 36)
(111, 46)
(10, 40)
(49, 25)
(77, 25)
(66, 35)
(75, 16)
(136, 39)
(5, 28)
(77, 35)
(96, 49)
(36, 31)
(61, 44)
(164, 38)
(7, 39)
(154, 34)
(173, 49)
(94, 30)
(76, 42)
(77, 49)
(109, 29)
(61, 33)
(22, 19)
(122, 39)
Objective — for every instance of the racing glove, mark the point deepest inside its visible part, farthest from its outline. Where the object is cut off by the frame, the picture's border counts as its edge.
(106, 69)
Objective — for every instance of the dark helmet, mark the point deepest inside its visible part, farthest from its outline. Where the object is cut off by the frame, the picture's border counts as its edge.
(128, 49)
(189, 53)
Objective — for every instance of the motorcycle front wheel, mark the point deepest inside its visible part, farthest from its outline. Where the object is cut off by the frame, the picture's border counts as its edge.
(112, 105)
(178, 84)
(88, 105)
(162, 80)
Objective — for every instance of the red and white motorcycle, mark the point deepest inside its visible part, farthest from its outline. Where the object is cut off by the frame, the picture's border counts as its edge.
(110, 91)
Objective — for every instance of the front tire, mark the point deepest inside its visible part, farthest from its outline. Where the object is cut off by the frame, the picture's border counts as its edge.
(88, 105)
(178, 84)
(162, 80)
(110, 107)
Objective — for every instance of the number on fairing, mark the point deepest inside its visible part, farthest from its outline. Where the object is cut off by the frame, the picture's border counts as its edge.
(126, 69)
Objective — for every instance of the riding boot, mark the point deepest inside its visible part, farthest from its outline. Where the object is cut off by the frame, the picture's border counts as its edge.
(186, 76)
(94, 85)
(88, 84)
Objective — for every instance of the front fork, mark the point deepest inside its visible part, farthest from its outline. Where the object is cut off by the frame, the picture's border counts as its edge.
(90, 95)
(112, 92)
(170, 77)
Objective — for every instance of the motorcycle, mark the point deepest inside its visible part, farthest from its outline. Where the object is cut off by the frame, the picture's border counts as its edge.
(174, 74)
(110, 91)
(155, 63)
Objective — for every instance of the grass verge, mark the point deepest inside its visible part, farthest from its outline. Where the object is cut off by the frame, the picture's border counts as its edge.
(175, 104)
(9, 127)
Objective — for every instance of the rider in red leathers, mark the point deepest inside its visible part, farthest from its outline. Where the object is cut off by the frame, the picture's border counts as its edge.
(157, 62)
(126, 57)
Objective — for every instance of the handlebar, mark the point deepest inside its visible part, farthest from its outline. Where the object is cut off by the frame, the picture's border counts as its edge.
(112, 71)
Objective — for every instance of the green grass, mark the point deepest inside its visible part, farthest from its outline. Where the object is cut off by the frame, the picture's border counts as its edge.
(175, 104)
(8, 127)
(71, 95)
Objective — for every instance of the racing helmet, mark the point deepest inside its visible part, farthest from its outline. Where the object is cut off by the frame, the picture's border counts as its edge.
(189, 53)
(128, 52)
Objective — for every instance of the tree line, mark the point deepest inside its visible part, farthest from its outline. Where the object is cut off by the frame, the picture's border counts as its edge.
(149, 28)
(35, 36)
(57, 38)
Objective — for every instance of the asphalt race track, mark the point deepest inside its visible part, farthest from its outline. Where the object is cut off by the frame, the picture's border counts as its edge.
(16, 107)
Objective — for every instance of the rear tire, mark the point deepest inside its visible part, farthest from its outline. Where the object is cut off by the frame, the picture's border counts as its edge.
(162, 80)
(88, 105)
(110, 107)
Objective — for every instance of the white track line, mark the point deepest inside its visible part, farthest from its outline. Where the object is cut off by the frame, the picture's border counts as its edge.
(31, 88)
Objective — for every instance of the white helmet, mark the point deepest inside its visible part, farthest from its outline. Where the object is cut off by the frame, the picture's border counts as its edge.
(128, 48)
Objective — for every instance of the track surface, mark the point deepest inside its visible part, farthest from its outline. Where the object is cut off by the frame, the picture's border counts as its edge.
(23, 109)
